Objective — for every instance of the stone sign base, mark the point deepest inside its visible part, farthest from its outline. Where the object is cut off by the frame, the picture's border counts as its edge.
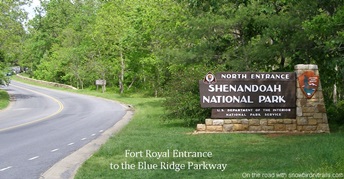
(310, 115)
(316, 125)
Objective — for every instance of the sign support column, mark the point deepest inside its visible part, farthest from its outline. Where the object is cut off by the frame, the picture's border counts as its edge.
(310, 107)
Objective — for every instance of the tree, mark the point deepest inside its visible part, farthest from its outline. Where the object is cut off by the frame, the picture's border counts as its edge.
(57, 49)
(111, 32)
(251, 35)
(325, 30)
(164, 47)
(12, 32)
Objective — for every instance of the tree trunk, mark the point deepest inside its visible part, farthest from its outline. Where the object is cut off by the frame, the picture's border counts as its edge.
(80, 83)
(335, 96)
(281, 66)
(132, 82)
(103, 85)
(121, 76)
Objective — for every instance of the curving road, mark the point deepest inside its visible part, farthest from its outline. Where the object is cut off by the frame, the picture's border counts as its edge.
(42, 126)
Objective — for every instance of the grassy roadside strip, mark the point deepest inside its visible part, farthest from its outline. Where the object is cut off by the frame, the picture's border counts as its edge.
(266, 156)
(244, 154)
(4, 99)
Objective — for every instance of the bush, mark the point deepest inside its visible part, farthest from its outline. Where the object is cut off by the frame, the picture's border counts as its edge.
(335, 114)
(183, 100)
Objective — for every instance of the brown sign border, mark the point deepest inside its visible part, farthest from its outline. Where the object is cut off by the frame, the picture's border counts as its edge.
(288, 90)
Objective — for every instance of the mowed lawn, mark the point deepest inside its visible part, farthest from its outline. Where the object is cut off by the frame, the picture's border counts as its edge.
(4, 99)
(134, 152)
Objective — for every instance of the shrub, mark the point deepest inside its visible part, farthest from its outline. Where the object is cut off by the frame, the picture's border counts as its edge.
(335, 114)
(183, 101)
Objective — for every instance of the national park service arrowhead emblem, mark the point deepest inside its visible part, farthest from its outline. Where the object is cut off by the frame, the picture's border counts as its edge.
(309, 83)
(209, 78)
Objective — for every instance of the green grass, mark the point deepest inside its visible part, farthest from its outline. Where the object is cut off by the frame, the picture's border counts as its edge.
(244, 154)
(4, 99)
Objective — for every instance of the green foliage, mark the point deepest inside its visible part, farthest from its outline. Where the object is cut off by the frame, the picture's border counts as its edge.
(149, 46)
(11, 32)
(335, 114)
(261, 36)
(118, 41)
(326, 33)
(183, 100)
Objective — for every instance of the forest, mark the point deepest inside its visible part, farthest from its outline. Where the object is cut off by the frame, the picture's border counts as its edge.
(161, 48)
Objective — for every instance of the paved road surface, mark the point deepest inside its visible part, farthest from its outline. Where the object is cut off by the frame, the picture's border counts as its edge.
(43, 126)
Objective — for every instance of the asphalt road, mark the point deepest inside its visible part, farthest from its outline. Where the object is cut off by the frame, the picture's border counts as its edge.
(43, 126)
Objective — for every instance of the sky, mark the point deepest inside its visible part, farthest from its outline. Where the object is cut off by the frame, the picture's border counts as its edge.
(30, 9)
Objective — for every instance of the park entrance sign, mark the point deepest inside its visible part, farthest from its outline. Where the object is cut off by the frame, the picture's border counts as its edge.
(249, 95)
(255, 102)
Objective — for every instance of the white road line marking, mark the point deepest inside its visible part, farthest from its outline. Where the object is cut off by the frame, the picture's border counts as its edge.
(101, 131)
(3, 169)
(33, 158)
(71, 143)
(84, 138)
(54, 150)
(40, 119)
(93, 134)
(21, 109)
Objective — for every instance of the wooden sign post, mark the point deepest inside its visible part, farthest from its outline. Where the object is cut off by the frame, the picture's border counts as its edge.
(101, 83)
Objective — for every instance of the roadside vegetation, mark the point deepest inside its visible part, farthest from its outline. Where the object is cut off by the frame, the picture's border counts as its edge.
(4, 99)
(162, 48)
(244, 154)
(152, 54)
